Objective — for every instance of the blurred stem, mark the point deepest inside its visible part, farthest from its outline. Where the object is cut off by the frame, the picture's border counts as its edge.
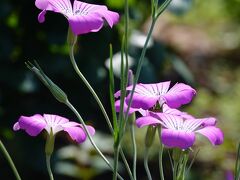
(90, 137)
(126, 164)
(75, 66)
(237, 165)
(10, 161)
(48, 158)
(132, 129)
(160, 154)
(146, 154)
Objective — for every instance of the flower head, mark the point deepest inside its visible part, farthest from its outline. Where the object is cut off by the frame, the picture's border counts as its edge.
(82, 17)
(148, 95)
(178, 130)
(33, 125)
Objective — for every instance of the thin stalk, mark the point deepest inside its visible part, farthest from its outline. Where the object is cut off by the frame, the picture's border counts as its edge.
(115, 167)
(237, 165)
(10, 161)
(48, 158)
(75, 66)
(140, 63)
(90, 137)
(146, 154)
(160, 155)
(134, 146)
(126, 165)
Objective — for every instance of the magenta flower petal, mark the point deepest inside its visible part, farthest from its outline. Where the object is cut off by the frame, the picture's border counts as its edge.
(214, 134)
(178, 95)
(210, 121)
(85, 24)
(77, 133)
(84, 9)
(140, 101)
(42, 4)
(176, 138)
(125, 106)
(33, 125)
(147, 120)
(82, 17)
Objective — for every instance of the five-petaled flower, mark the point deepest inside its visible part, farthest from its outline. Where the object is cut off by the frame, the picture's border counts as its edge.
(179, 128)
(82, 17)
(33, 125)
(147, 96)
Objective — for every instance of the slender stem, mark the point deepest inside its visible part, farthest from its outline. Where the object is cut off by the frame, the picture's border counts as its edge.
(126, 165)
(10, 161)
(146, 153)
(90, 137)
(115, 167)
(160, 155)
(48, 158)
(140, 63)
(132, 130)
(75, 66)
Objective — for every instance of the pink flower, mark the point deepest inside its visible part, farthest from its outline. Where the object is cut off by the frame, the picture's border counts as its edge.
(33, 125)
(179, 128)
(82, 17)
(147, 96)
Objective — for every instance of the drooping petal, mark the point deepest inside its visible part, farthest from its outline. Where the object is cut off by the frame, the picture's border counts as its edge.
(77, 133)
(41, 16)
(178, 95)
(33, 125)
(146, 121)
(214, 134)
(177, 138)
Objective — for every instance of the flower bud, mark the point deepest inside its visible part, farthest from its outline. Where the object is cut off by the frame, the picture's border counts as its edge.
(57, 92)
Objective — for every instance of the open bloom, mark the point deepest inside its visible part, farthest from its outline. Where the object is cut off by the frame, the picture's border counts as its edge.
(33, 125)
(179, 131)
(147, 96)
(82, 17)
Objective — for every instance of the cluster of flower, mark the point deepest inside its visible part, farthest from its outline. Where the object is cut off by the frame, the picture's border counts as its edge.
(157, 104)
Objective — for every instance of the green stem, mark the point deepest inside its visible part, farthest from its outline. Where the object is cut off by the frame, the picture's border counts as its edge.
(48, 158)
(90, 137)
(132, 130)
(75, 66)
(140, 63)
(126, 164)
(160, 155)
(146, 154)
(115, 167)
(10, 161)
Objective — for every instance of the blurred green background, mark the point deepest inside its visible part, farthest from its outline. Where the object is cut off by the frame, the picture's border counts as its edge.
(194, 41)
